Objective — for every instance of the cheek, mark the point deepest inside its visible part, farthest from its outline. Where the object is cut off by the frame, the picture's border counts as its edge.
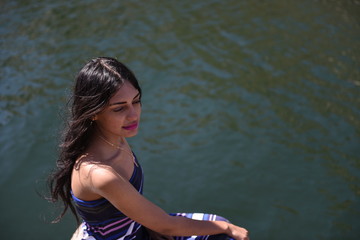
(138, 108)
(115, 120)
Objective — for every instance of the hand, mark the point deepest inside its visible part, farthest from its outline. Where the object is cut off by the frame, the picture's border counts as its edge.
(238, 233)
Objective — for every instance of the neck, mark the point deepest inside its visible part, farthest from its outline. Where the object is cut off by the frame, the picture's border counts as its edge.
(120, 145)
(119, 142)
(124, 147)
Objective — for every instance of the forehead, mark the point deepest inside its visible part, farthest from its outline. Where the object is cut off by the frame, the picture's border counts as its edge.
(127, 92)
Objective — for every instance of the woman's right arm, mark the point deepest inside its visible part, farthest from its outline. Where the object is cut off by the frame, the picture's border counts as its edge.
(110, 185)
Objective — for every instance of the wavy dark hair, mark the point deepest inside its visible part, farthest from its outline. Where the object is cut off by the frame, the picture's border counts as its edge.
(95, 84)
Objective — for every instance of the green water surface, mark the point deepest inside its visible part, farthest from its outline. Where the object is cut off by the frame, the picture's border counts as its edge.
(250, 109)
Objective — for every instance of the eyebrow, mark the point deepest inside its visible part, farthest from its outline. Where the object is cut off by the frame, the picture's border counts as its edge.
(118, 103)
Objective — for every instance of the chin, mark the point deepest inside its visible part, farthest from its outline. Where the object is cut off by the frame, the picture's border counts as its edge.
(131, 134)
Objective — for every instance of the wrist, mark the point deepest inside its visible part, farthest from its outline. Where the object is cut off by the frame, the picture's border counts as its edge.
(226, 228)
(230, 229)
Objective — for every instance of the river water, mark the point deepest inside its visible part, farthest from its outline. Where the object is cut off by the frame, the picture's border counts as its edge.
(251, 109)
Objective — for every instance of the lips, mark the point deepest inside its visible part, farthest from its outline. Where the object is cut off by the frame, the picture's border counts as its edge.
(131, 126)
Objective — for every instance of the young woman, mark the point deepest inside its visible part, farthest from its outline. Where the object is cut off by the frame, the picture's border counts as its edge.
(98, 175)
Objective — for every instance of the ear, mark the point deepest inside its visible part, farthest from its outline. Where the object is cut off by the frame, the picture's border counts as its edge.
(94, 118)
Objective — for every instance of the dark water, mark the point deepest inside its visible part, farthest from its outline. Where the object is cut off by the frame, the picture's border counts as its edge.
(251, 108)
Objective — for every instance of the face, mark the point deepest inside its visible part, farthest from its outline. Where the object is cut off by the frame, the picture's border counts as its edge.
(120, 119)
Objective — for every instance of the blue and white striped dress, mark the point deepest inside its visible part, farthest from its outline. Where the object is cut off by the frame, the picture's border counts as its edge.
(103, 221)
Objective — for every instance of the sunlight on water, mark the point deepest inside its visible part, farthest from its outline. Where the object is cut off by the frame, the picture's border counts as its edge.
(251, 109)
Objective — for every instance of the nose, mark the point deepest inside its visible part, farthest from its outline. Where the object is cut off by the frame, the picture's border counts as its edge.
(132, 114)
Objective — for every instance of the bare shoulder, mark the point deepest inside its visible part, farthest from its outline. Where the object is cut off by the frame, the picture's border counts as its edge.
(89, 169)
(90, 176)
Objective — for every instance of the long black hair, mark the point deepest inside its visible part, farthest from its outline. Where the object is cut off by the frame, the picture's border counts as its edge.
(95, 84)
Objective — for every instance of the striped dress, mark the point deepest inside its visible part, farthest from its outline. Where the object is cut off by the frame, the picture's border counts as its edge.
(102, 221)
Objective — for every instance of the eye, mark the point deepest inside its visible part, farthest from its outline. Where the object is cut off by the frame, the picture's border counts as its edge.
(118, 109)
(137, 101)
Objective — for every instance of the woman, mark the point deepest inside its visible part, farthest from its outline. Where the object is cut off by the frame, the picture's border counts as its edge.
(99, 177)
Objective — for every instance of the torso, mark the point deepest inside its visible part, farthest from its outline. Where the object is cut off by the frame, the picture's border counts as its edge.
(101, 219)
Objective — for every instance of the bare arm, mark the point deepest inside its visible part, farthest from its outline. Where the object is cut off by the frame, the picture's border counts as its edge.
(128, 200)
